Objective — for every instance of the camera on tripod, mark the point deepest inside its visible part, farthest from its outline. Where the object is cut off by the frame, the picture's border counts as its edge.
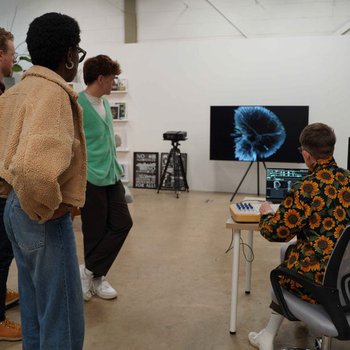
(175, 158)
(175, 136)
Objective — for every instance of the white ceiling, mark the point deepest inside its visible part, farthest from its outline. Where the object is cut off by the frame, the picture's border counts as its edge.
(176, 19)
(197, 19)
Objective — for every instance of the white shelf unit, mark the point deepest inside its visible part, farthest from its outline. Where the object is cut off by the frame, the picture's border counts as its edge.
(118, 100)
(119, 92)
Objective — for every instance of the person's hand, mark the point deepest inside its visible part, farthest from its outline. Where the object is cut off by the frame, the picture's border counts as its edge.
(61, 210)
(266, 208)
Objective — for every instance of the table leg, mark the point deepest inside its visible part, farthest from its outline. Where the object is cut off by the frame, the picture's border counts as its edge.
(248, 262)
(235, 273)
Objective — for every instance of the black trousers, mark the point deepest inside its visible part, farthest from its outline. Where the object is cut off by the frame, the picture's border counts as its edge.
(106, 222)
(6, 257)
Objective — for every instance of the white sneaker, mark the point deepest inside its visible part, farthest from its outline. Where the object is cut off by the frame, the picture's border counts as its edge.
(86, 277)
(103, 289)
(262, 340)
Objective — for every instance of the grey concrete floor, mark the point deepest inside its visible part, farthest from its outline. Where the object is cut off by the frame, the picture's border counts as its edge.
(174, 282)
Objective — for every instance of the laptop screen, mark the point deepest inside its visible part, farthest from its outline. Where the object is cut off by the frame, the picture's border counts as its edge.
(279, 182)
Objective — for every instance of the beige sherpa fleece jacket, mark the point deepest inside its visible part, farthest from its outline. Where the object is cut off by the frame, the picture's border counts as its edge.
(42, 144)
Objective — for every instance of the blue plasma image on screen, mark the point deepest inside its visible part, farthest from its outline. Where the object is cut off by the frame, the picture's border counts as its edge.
(258, 133)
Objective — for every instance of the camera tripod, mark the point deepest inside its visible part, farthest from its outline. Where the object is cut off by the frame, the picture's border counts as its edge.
(178, 168)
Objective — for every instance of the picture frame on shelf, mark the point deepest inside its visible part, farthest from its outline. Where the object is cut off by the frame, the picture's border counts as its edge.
(115, 112)
(146, 170)
(120, 85)
(122, 111)
(118, 110)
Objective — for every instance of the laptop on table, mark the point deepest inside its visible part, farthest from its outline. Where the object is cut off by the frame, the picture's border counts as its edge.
(279, 182)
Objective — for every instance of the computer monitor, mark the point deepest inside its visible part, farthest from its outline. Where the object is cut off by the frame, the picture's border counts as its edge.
(279, 182)
(257, 133)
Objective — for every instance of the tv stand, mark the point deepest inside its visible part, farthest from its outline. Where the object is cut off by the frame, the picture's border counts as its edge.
(246, 173)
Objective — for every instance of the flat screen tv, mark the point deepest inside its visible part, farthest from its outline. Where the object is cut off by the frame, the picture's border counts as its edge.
(257, 133)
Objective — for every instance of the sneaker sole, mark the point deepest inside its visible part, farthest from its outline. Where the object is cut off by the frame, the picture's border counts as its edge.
(11, 304)
(10, 339)
(252, 343)
(106, 298)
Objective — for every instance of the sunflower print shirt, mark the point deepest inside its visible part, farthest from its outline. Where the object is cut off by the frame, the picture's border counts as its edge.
(316, 211)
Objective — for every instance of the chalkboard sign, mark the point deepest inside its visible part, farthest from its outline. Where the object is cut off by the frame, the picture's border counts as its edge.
(146, 170)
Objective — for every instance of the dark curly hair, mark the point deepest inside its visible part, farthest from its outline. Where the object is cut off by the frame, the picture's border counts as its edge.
(49, 38)
(99, 65)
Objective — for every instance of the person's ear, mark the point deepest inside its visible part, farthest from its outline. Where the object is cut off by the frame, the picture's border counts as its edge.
(100, 79)
(311, 158)
(306, 155)
(308, 158)
(69, 60)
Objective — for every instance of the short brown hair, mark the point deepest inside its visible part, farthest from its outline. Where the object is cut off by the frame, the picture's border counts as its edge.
(319, 139)
(99, 65)
(4, 37)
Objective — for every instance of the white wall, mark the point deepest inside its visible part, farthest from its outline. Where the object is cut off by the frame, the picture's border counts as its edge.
(173, 84)
(100, 21)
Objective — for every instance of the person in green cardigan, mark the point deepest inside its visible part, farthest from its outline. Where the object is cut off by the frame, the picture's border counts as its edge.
(106, 220)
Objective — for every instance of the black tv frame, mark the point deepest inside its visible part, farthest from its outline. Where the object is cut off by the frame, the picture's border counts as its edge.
(221, 132)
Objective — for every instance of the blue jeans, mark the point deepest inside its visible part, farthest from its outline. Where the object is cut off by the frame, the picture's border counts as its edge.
(52, 312)
(6, 257)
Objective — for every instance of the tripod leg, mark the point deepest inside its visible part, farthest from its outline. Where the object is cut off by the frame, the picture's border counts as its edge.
(233, 196)
(170, 154)
(183, 173)
(176, 173)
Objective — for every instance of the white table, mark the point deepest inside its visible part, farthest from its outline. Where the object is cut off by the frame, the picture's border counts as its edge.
(236, 228)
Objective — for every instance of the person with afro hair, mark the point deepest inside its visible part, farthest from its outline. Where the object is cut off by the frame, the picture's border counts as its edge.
(43, 173)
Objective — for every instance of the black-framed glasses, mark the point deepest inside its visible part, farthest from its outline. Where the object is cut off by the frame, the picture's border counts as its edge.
(81, 53)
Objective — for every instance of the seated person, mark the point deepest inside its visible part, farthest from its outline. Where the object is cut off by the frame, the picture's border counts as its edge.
(315, 211)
